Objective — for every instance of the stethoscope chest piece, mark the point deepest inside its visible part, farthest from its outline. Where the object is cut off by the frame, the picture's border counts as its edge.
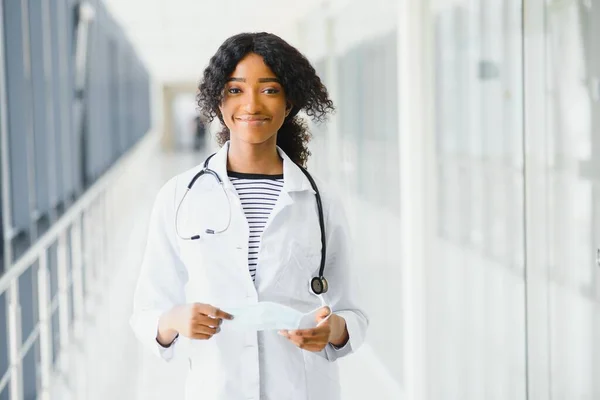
(319, 285)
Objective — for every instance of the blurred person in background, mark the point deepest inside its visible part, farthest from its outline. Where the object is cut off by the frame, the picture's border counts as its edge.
(199, 133)
(270, 246)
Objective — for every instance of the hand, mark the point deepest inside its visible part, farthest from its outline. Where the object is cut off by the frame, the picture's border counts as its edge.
(330, 329)
(195, 321)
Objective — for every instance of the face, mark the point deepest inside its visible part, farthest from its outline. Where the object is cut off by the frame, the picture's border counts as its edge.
(254, 104)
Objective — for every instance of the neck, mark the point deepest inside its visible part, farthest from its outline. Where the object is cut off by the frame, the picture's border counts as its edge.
(248, 158)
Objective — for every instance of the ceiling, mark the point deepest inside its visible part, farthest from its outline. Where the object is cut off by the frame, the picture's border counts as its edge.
(176, 38)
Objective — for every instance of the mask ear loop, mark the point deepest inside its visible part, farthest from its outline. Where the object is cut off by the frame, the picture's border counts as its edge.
(323, 302)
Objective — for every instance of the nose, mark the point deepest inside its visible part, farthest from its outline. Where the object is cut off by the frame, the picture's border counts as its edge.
(252, 103)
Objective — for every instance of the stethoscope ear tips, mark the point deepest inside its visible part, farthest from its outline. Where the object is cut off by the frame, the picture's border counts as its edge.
(208, 231)
(319, 285)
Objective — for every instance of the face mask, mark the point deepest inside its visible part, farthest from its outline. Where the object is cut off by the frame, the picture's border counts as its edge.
(267, 315)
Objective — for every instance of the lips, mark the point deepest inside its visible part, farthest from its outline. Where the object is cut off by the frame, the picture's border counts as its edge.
(252, 119)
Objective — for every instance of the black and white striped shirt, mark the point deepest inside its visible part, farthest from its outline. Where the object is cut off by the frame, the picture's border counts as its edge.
(258, 195)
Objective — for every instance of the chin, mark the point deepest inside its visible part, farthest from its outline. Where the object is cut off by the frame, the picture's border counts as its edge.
(254, 137)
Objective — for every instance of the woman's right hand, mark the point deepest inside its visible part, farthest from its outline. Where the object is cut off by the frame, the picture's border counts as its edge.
(195, 321)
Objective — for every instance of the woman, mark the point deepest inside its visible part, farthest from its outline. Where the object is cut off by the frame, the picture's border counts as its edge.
(267, 244)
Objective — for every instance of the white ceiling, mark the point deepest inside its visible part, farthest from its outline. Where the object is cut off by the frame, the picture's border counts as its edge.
(176, 38)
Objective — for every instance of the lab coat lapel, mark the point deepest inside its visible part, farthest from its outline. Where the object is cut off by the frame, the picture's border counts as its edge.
(294, 180)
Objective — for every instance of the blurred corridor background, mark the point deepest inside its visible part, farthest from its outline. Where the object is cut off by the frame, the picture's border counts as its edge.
(466, 144)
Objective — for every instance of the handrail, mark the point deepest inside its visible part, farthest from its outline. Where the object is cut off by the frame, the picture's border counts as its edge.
(97, 209)
(47, 239)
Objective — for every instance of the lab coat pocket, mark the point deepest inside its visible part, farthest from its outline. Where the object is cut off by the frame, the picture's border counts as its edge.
(322, 376)
(190, 252)
(301, 266)
(306, 258)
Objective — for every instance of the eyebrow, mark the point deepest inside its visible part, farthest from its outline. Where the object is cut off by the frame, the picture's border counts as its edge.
(260, 80)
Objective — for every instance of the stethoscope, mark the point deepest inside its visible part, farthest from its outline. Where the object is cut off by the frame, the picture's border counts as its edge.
(318, 284)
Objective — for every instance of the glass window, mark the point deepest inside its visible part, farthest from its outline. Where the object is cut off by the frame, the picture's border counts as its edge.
(369, 167)
(66, 27)
(52, 255)
(20, 128)
(58, 107)
(42, 141)
(55, 328)
(475, 300)
(572, 220)
(28, 300)
(31, 372)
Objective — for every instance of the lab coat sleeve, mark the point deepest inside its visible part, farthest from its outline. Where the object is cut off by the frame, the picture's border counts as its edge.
(340, 275)
(162, 277)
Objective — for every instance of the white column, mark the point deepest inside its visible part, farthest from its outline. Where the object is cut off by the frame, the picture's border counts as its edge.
(333, 152)
(49, 83)
(536, 207)
(7, 223)
(413, 114)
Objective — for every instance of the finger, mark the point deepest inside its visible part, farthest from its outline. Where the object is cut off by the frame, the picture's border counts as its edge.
(207, 330)
(217, 313)
(313, 347)
(321, 330)
(200, 336)
(207, 321)
(212, 311)
(223, 315)
(286, 334)
(310, 340)
(324, 321)
(304, 340)
(305, 332)
(310, 346)
(323, 312)
(321, 337)
(322, 317)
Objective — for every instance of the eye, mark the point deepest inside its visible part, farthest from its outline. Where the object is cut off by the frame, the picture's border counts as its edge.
(234, 90)
(271, 91)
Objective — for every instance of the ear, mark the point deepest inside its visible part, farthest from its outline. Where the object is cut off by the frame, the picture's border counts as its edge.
(288, 108)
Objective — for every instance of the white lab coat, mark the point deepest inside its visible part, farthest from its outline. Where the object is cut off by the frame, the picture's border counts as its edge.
(235, 364)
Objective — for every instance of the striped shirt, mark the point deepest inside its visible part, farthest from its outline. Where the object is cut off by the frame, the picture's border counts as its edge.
(258, 195)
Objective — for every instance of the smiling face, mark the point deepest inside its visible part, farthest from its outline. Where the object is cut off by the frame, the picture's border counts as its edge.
(254, 103)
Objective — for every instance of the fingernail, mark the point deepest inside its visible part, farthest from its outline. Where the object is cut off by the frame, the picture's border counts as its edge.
(218, 329)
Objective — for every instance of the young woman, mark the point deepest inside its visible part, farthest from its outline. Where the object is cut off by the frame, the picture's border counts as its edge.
(250, 227)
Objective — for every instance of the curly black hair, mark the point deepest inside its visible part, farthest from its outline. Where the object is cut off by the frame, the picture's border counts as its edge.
(303, 88)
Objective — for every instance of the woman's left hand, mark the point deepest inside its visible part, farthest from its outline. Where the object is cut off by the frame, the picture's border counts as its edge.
(331, 330)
